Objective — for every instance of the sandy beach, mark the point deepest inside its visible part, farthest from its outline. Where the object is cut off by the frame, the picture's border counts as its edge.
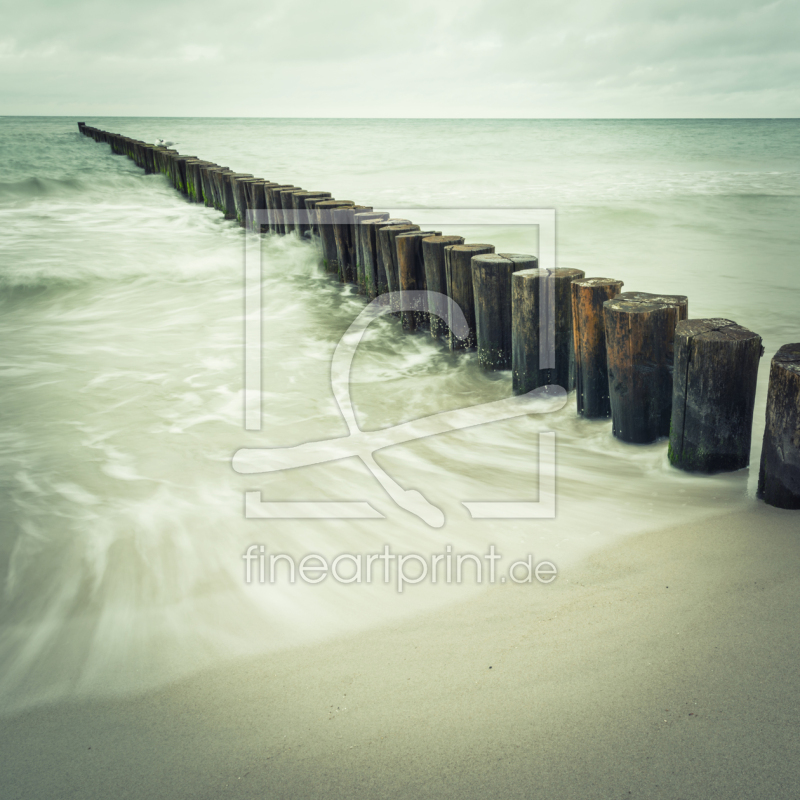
(666, 666)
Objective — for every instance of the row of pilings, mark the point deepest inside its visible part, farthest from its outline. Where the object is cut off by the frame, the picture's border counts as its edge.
(635, 357)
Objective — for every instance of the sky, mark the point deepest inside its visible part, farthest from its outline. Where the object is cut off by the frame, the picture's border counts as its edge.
(572, 59)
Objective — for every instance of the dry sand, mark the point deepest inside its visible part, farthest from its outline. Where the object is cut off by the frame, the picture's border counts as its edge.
(666, 667)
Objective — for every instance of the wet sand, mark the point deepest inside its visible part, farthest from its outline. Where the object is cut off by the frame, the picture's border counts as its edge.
(667, 666)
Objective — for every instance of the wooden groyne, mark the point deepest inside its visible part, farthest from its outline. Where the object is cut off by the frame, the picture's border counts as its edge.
(635, 357)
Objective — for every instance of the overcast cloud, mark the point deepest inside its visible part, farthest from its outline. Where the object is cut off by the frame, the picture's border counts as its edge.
(620, 58)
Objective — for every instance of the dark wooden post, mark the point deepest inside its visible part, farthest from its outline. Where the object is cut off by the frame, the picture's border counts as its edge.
(214, 186)
(273, 204)
(303, 216)
(458, 274)
(365, 264)
(257, 200)
(436, 280)
(589, 336)
(411, 277)
(779, 475)
(327, 238)
(313, 216)
(491, 286)
(229, 184)
(194, 179)
(640, 336)
(713, 394)
(382, 280)
(239, 187)
(386, 239)
(283, 202)
(344, 221)
(543, 351)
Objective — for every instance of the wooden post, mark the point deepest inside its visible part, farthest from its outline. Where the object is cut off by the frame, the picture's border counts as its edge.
(436, 280)
(283, 201)
(344, 234)
(386, 240)
(257, 200)
(779, 475)
(211, 188)
(491, 287)
(713, 394)
(324, 210)
(272, 194)
(458, 274)
(302, 213)
(382, 280)
(411, 277)
(543, 352)
(229, 185)
(589, 336)
(364, 255)
(313, 217)
(239, 190)
(194, 179)
(640, 335)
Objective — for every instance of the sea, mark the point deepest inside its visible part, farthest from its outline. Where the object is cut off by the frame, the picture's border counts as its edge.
(123, 524)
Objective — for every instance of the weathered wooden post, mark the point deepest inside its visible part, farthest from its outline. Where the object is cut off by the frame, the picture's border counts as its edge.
(239, 189)
(589, 336)
(364, 255)
(436, 280)
(283, 203)
(491, 286)
(458, 274)
(324, 210)
(713, 394)
(313, 217)
(257, 200)
(272, 194)
(386, 239)
(543, 352)
(194, 179)
(229, 184)
(344, 234)
(640, 336)
(382, 280)
(302, 213)
(211, 187)
(779, 474)
(411, 277)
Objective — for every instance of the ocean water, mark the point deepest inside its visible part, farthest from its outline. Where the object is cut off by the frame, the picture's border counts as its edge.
(122, 524)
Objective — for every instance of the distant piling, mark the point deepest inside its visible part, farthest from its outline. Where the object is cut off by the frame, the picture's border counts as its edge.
(589, 337)
(779, 473)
